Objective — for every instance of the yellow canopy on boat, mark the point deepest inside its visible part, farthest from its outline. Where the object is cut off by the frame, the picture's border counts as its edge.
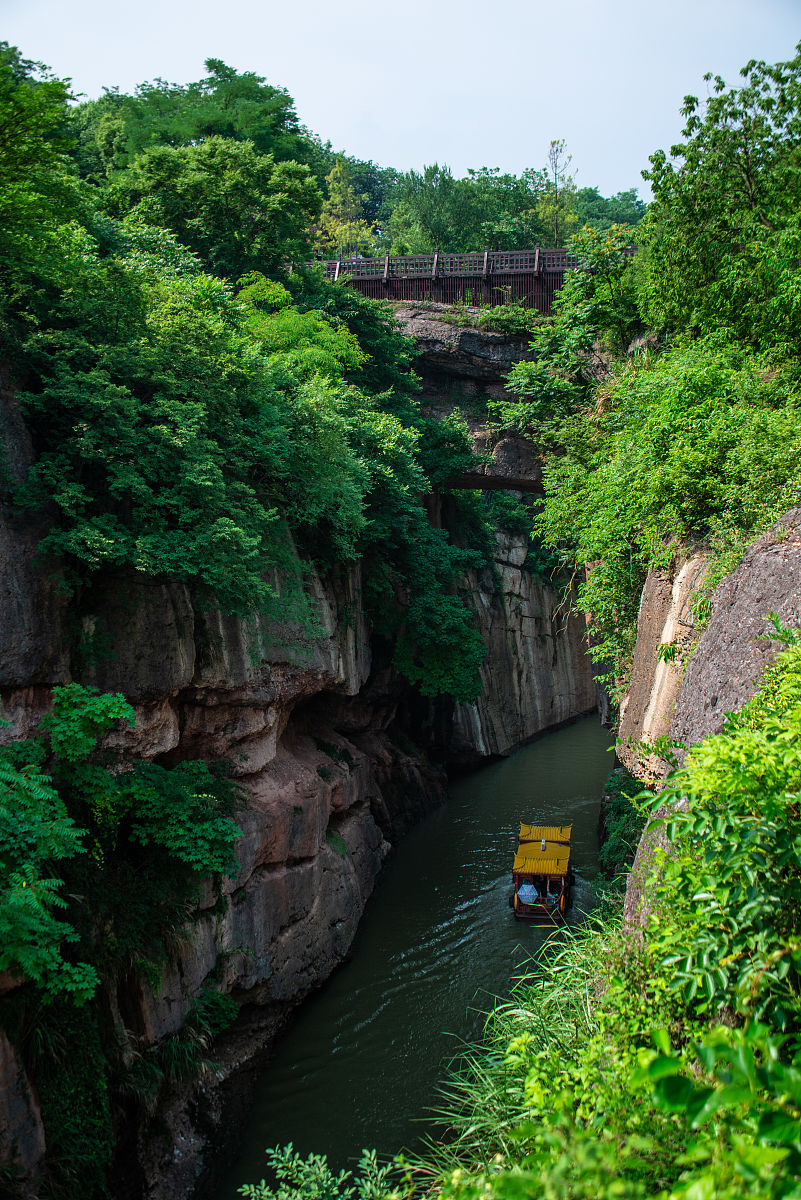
(551, 833)
(533, 860)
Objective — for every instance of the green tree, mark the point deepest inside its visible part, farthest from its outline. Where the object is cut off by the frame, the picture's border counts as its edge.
(723, 230)
(624, 208)
(38, 190)
(112, 131)
(557, 208)
(431, 210)
(595, 318)
(341, 229)
(239, 210)
(36, 833)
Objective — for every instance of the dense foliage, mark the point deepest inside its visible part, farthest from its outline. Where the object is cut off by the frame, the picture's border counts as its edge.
(128, 140)
(664, 1065)
(688, 431)
(623, 818)
(134, 844)
(180, 399)
(722, 236)
(432, 209)
(101, 863)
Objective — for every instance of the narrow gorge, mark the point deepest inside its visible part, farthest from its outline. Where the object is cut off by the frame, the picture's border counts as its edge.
(314, 588)
(337, 758)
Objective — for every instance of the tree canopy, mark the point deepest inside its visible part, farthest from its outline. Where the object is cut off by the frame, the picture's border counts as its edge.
(724, 228)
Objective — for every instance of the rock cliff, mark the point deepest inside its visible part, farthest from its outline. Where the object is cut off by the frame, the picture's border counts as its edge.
(305, 717)
(688, 698)
(326, 788)
(451, 351)
(537, 673)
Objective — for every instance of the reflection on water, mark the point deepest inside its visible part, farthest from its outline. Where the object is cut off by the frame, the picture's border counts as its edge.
(360, 1064)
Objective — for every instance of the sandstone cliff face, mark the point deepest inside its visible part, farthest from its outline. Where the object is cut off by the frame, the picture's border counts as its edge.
(725, 670)
(537, 673)
(459, 351)
(321, 803)
(462, 366)
(665, 620)
(297, 708)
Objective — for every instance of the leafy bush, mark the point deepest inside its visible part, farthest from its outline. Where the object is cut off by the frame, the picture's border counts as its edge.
(733, 886)
(35, 833)
(237, 209)
(73, 1087)
(623, 819)
(130, 899)
(312, 1178)
(720, 237)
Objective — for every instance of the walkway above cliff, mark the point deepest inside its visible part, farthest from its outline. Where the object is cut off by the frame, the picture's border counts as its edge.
(531, 277)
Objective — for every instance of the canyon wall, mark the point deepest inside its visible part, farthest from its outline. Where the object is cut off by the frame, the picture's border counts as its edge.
(306, 716)
(293, 707)
(537, 673)
(717, 669)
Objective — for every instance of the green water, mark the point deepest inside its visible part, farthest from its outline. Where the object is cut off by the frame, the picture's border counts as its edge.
(360, 1063)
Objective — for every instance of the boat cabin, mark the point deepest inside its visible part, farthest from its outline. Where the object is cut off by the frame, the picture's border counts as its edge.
(541, 872)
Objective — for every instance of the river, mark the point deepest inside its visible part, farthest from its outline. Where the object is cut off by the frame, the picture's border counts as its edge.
(360, 1063)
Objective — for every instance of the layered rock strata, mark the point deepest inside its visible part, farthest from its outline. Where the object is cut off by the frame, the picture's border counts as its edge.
(688, 699)
(298, 709)
(537, 673)
(449, 350)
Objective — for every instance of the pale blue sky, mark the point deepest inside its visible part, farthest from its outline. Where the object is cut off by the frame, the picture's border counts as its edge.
(459, 81)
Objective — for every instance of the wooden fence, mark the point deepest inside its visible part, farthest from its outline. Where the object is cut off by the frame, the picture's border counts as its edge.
(531, 277)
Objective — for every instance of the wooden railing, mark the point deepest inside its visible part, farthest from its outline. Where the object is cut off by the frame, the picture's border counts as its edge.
(477, 264)
(529, 277)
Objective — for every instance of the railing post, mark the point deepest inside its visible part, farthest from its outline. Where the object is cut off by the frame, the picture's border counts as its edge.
(537, 259)
(336, 269)
(386, 267)
(435, 265)
(486, 260)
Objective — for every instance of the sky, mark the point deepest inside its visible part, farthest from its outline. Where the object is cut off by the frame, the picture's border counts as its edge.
(469, 83)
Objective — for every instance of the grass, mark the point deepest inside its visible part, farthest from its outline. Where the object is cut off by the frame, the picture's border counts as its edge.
(484, 1101)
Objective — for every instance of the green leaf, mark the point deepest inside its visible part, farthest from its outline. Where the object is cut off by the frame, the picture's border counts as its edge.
(780, 1128)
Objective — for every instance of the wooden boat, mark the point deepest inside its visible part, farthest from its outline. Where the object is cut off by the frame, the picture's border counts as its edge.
(541, 872)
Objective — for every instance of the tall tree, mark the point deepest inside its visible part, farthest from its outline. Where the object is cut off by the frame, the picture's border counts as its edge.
(342, 229)
(557, 209)
(601, 212)
(113, 130)
(237, 209)
(724, 223)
